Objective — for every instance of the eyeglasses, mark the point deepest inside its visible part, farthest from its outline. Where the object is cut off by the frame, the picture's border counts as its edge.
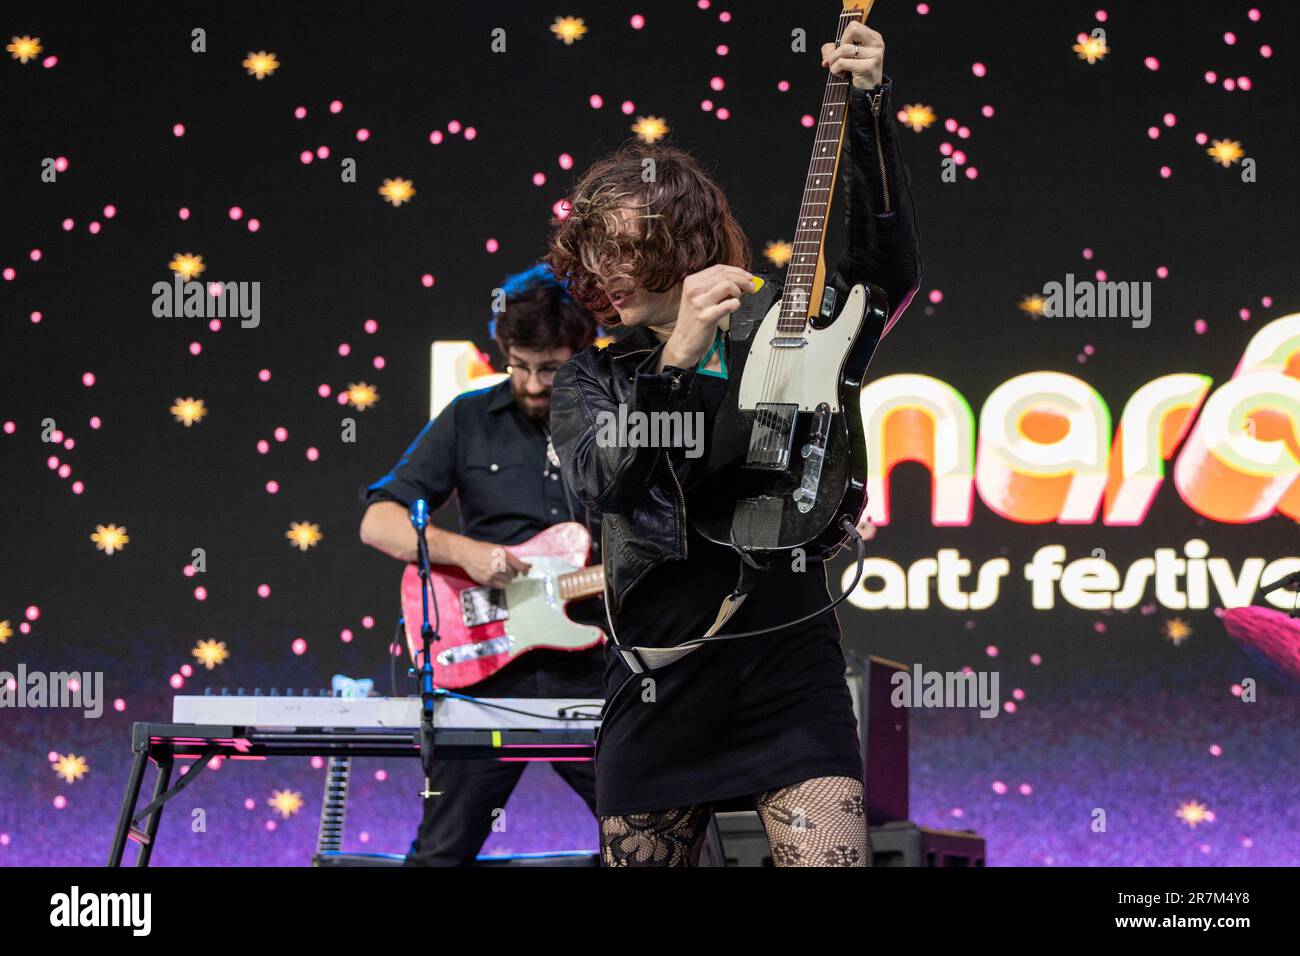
(545, 374)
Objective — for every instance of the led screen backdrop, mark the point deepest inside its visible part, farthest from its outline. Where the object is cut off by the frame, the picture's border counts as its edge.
(1083, 432)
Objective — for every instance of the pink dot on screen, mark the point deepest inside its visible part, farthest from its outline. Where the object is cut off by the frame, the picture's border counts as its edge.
(187, 670)
(1266, 302)
(317, 763)
(9, 274)
(565, 161)
(264, 375)
(61, 164)
(323, 391)
(991, 651)
(177, 681)
(1230, 38)
(1162, 272)
(346, 635)
(183, 212)
(987, 111)
(1165, 172)
(32, 613)
(264, 590)
(561, 209)
(65, 470)
(1216, 750)
(783, 86)
(363, 134)
(34, 255)
(453, 126)
(1170, 119)
(235, 213)
(263, 446)
(195, 348)
(723, 113)
(313, 454)
(336, 106)
(281, 434)
(78, 487)
(1243, 82)
(1253, 14)
(249, 804)
(979, 69)
(999, 787)
(539, 179)
(950, 125)
(716, 84)
(1243, 314)
(706, 105)
(637, 21)
(254, 225)
(596, 101)
(627, 107)
(119, 705)
(342, 398)
(271, 826)
(322, 152)
(300, 112)
(470, 132)
(724, 16)
(9, 428)
(959, 157)
(922, 8)
(1151, 63)
(435, 137)
(1102, 16)
(1153, 132)
(1229, 84)
(1211, 76)
(1101, 275)
(722, 49)
(367, 622)
(272, 487)
(305, 157)
(381, 775)
(378, 361)
(936, 296)
(491, 245)
(1025, 789)
(60, 802)
(67, 225)
(52, 463)
(963, 132)
(371, 326)
(94, 228)
(50, 62)
(299, 646)
(178, 130)
(1201, 326)
(426, 280)
(1266, 51)
(808, 120)
(1202, 139)
(88, 379)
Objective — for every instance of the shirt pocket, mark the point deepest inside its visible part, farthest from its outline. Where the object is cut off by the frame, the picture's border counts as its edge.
(494, 464)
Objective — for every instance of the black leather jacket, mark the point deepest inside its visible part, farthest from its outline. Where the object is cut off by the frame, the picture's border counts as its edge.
(638, 490)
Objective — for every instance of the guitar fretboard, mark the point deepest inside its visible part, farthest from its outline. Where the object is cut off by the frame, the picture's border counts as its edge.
(801, 277)
(583, 583)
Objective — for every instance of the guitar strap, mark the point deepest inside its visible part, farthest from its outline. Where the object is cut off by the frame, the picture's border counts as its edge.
(643, 659)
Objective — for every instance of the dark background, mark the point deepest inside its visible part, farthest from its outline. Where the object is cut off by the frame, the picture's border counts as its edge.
(1120, 718)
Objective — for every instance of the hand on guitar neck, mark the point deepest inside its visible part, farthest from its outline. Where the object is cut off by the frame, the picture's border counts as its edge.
(708, 297)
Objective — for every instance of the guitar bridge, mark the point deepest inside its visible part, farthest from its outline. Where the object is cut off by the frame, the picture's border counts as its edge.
(483, 606)
(772, 438)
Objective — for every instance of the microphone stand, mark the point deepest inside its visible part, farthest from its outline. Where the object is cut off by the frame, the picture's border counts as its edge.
(428, 634)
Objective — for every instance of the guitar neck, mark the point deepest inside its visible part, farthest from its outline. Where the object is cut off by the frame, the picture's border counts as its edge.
(805, 279)
(583, 583)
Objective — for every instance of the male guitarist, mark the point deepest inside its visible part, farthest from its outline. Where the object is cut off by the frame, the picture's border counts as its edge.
(490, 448)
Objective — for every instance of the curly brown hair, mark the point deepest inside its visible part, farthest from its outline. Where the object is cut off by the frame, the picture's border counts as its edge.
(683, 223)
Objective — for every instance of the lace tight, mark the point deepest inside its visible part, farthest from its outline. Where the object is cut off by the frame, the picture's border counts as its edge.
(817, 822)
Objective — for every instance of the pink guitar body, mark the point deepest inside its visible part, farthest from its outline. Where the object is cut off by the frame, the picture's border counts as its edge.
(484, 629)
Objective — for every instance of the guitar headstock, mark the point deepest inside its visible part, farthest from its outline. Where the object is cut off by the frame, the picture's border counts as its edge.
(863, 6)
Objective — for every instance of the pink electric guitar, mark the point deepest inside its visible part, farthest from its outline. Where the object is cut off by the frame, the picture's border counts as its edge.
(483, 629)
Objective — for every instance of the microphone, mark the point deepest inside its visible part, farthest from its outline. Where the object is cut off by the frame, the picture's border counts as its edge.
(420, 514)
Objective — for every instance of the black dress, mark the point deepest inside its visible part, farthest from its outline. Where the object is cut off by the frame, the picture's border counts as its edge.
(734, 718)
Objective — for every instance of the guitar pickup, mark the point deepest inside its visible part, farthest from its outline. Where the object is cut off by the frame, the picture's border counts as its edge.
(772, 438)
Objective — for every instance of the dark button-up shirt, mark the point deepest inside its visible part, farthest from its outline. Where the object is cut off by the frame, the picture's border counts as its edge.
(483, 448)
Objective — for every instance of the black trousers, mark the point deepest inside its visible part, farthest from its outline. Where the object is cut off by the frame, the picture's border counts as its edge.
(474, 792)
